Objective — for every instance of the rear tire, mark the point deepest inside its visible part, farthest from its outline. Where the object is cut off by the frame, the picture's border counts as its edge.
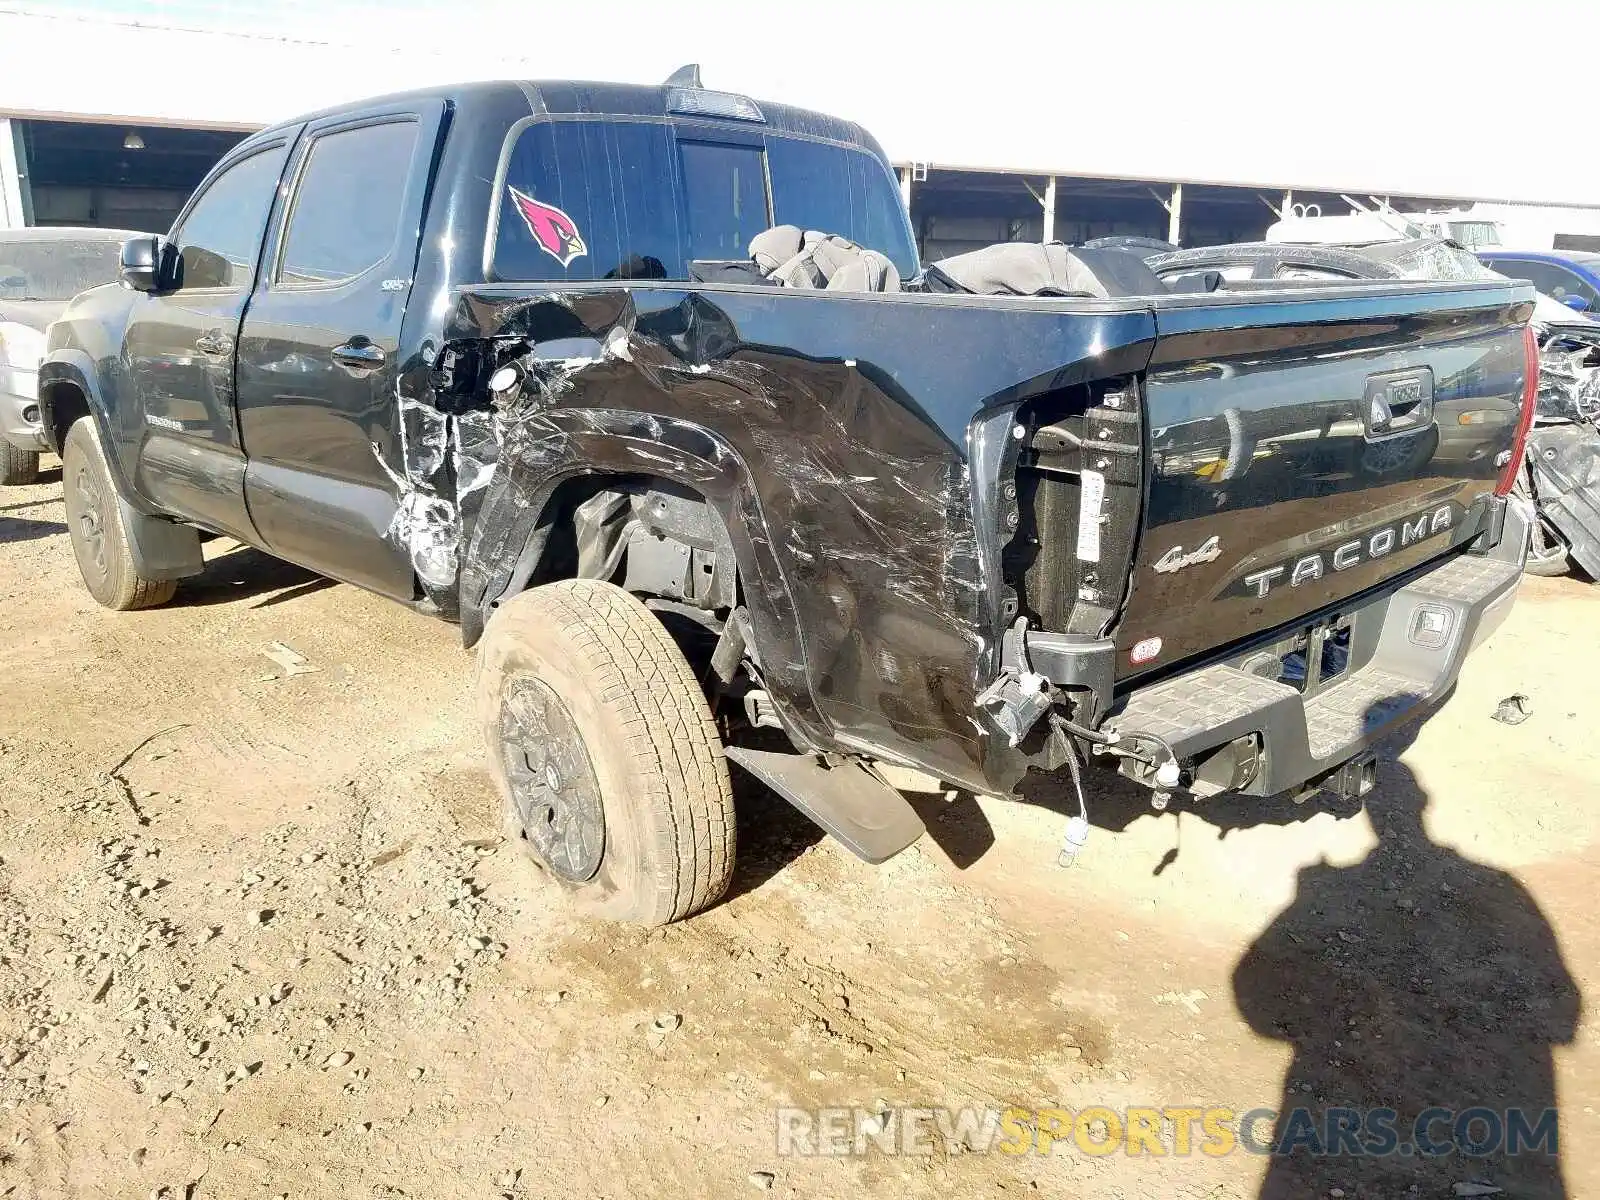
(94, 523)
(605, 752)
(17, 466)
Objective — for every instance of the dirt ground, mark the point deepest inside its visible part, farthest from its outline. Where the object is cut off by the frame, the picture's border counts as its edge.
(258, 937)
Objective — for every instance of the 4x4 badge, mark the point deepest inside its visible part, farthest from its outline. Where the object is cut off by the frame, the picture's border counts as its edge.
(1176, 560)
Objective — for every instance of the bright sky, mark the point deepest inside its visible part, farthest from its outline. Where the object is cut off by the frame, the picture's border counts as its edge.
(1376, 95)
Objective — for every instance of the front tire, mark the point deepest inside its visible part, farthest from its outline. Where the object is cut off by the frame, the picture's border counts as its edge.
(94, 524)
(605, 752)
(17, 466)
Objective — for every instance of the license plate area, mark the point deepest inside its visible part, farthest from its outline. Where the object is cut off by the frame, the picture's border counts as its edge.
(1397, 402)
(1314, 657)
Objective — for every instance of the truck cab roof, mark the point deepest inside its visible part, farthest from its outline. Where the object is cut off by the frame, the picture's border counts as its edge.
(568, 97)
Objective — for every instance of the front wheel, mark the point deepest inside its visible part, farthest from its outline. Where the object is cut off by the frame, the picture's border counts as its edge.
(94, 524)
(605, 752)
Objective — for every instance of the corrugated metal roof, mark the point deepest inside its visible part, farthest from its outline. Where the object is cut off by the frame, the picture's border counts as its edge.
(1362, 96)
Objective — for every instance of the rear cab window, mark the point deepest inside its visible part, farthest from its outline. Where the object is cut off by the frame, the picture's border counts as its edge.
(587, 199)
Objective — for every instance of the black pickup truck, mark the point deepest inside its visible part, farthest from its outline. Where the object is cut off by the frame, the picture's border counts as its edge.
(562, 362)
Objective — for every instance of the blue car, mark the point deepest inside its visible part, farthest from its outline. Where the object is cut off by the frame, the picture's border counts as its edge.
(1570, 276)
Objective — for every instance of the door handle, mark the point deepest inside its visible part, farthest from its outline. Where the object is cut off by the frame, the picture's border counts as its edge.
(213, 343)
(359, 355)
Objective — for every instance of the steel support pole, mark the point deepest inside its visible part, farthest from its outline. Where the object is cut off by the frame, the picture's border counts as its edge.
(14, 196)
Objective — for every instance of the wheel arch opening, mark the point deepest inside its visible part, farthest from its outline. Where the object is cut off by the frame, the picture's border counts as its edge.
(62, 403)
(654, 536)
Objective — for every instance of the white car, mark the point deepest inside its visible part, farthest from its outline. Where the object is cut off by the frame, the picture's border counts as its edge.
(40, 270)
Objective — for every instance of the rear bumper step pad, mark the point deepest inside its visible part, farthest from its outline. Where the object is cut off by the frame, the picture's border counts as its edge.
(1304, 738)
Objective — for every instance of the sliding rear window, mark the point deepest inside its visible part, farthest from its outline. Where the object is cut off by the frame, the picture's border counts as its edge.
(586, 200)
(816, 185)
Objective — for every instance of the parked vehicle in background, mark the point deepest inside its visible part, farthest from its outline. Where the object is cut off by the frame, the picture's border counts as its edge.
(1570, 276)
(1561, 473)
(1374, 220)
(1237, 262)
(1463, 228)
(646, 387)
(1426, 257)
(40, 270)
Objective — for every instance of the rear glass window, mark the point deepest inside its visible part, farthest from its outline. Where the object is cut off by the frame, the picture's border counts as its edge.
(56, 269)
(589, 200)
(836, 190)
(725, 198)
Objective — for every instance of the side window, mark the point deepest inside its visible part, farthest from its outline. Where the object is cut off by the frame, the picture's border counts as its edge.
(1573, 284)
(725, 195)
(1543, 276)
(345, 213)
(586, 200)
(220, 238)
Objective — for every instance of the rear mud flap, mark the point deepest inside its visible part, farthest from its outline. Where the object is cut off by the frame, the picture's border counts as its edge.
(855, 805)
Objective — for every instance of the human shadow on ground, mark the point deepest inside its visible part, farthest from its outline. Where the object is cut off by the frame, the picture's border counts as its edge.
(1423, 983)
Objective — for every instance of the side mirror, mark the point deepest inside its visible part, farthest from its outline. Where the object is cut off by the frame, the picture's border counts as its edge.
(141, 263)
(1575, 302)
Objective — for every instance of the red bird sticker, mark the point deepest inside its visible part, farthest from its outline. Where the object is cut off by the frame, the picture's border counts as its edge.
(555, 232)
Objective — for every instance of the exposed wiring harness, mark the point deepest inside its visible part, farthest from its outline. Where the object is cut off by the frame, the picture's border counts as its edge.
(1163, 761)
(1124, 745)
(1077, 833)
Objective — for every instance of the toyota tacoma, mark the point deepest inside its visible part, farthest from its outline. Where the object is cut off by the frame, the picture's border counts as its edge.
(647, 389)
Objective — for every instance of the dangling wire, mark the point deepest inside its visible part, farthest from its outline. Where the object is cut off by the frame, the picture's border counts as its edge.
(1077, 832)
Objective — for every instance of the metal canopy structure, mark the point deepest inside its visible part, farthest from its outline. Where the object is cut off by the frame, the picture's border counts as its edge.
(956, 211)
(1198, 110)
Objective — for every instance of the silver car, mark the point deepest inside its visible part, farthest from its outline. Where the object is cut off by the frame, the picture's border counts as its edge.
(40, 270)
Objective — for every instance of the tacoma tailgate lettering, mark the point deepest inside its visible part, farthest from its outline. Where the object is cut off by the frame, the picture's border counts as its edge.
(1311, 567)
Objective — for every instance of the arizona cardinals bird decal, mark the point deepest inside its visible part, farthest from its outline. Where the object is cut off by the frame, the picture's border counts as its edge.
(555, 232)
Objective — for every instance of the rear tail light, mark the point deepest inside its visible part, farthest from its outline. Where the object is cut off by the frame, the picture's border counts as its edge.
(1530, 400)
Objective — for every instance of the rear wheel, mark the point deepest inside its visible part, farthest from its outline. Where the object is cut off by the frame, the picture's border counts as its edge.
(17, 466)
(94, 523)
(605, 752)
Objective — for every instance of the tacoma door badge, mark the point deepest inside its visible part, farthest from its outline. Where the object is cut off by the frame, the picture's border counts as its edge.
(1176, 559)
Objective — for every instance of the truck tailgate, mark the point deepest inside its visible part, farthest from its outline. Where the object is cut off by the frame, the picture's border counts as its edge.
(1303, 451)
